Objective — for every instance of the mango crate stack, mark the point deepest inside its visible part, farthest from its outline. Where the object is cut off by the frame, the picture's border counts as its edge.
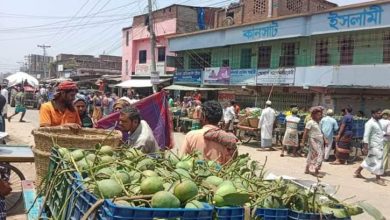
(128, 184)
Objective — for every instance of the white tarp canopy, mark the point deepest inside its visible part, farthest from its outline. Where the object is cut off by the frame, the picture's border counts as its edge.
(189, 88)
(20, 78)
(136, 83)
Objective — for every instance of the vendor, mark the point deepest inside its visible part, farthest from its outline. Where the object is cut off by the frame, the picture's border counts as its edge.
(81, 106)
(140, 134)
(60, 111)
(213, 142)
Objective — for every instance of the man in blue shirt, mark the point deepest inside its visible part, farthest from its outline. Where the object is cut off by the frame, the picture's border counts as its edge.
(328, 127)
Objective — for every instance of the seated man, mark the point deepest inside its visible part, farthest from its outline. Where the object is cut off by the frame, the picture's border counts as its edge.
(211, 141)
(140, 134)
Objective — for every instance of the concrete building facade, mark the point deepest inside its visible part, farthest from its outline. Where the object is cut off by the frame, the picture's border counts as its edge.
(175, 19)
(36, 64)
(332, 58)
(69, 65)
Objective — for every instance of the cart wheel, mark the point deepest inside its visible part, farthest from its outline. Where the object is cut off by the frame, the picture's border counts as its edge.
(244, 136)
(15, 179)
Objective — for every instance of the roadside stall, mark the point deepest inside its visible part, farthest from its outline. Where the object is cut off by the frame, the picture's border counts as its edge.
(107, 182)
(183, 117)
(30, 86)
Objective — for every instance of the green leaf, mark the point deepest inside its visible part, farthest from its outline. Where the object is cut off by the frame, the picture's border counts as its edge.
(236, 199)
(371, 210)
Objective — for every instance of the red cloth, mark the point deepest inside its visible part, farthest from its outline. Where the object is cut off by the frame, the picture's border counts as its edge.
(154, 110)
(67, 85)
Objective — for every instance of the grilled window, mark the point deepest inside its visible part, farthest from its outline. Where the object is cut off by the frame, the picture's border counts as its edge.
(287, 59)
(322, 56)
(264, 58)
(346, 46)
(386, 48)
(199, 60)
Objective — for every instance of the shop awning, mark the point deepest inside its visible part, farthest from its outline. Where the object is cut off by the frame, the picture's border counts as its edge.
(137, 83)
(189, 88)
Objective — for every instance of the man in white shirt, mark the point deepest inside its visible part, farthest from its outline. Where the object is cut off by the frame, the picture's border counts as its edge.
(266, 125)
(228, 116)
(4, 92)
(140, 134)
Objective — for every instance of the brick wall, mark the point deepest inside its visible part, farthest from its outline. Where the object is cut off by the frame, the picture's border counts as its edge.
(255, 10)
(230, 16)
(159, 15)
(291, 7)
(249, 11)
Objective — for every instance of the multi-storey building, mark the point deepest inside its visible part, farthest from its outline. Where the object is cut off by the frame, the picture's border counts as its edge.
(67, 65)
(168, 21)
(36, 65)
(332, 56)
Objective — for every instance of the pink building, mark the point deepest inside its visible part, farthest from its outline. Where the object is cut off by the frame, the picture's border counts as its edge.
(175, 19)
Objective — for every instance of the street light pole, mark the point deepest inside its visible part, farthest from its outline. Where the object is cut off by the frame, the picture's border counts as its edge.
(153, 73)
(43, 46)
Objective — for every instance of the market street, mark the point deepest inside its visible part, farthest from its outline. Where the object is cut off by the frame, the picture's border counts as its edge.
(339, 176)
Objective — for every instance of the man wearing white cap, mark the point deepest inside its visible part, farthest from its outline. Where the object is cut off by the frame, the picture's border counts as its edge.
(266, 124)
(328, 127)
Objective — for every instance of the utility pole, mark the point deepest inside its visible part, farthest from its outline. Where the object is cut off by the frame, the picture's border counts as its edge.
(43, 46)
(153, 73)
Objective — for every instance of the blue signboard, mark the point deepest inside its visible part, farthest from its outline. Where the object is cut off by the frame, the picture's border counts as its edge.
(188, 77)
(243, 77)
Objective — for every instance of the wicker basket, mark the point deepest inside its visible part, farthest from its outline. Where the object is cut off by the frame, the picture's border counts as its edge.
(86, 138)
(42, 160)
(253, 122)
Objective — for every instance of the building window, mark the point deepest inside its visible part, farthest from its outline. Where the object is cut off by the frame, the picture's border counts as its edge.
(199, 60)
(225, 63)
(295, 5)
(246, 58)
(260, 7)
(287, 59)
(230, 14)
(127, 38)
(127, 67)
(264, 58)
(179, 63)
(161, 54)
(142, 56)
(146, 22)
(322, 56)
(346, 46)
(386, 48)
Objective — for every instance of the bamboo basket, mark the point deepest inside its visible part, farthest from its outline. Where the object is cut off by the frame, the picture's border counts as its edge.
(86, 138)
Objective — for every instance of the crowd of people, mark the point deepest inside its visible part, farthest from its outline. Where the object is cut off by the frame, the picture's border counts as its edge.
(321, 133)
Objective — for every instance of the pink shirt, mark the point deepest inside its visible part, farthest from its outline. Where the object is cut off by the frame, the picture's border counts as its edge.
(211, 150)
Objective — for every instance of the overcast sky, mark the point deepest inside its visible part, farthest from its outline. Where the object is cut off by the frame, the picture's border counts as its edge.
(74, 26)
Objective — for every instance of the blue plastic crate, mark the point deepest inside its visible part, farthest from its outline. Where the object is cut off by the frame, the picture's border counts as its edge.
(112, 211)
(281, 118)
(293, 215)
(230, 213)
(272, 214)
(80, 201)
